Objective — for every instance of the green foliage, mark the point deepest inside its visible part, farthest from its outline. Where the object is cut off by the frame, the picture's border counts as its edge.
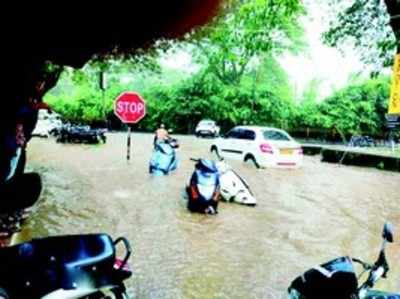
(263, 99)
(356, 109)
(249, 30)
(181, 107)
(381, 165)
(365, 23)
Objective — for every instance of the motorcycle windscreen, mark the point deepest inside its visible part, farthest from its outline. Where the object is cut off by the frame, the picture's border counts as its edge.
(207, 183)
(206, 166)
(335, 279)
(165, 148)
(381, 295)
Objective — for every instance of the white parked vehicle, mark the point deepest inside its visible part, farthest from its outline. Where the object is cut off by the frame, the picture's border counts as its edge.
(262, 146)
(233, 187)
(207, 128)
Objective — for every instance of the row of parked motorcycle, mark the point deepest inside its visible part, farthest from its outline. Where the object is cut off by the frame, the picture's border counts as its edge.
(79, 134)
(209, 182)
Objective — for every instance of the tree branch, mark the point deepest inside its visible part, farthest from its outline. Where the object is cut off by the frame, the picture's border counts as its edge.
(393, 8)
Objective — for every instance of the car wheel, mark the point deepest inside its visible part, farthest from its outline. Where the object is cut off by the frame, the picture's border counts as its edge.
(214, 151)
(249, 159)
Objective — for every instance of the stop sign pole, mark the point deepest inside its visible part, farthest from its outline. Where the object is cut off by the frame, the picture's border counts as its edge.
(128, 146)
(130, 108)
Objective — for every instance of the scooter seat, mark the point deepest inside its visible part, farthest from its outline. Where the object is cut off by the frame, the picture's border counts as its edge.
(57, 262)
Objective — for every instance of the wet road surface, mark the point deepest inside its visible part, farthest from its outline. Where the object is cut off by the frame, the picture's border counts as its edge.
(303, 218)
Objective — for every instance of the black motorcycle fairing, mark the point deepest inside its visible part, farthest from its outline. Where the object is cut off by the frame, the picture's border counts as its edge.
(333, 280)
(205, 170)
(206, 166)
(39, 267)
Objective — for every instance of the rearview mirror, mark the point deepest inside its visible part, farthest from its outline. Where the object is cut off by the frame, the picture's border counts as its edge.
(388, 232)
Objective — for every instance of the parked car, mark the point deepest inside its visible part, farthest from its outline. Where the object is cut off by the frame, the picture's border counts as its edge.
(261, 146)
(207, 127)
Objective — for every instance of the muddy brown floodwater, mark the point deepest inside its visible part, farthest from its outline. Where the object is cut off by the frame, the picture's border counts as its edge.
(303, 218)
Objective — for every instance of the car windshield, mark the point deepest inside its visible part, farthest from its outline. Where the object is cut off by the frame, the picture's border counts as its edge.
(207, 123)
(275, 136)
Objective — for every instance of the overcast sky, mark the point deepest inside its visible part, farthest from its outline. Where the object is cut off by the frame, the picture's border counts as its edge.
(320, 61)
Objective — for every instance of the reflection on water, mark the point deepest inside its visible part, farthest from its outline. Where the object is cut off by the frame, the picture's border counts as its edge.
(304, 217)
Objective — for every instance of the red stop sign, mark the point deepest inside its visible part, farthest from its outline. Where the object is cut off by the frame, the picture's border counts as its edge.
(129, 107)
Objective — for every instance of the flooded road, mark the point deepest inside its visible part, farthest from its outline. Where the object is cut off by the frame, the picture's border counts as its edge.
(303, 218)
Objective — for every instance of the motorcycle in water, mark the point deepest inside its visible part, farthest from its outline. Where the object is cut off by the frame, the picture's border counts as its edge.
(81, 134)
(337, 279)
(233, 187)
(204, 187)
(164, 159)
(74, 266)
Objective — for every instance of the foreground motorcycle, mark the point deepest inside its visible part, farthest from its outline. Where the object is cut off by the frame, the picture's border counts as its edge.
(233, 187)
(75, 266)
(204, 187)
(164, 159)
(337, 279)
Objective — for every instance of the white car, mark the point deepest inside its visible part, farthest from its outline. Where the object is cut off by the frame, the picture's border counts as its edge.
(207, 128)
(262, 146)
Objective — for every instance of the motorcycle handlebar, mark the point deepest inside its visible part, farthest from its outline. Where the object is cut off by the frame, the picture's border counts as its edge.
(365, 265)
(128, 249)
(374, 276)
(378, 270)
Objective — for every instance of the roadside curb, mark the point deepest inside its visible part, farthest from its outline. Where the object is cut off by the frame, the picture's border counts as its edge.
(355, 158)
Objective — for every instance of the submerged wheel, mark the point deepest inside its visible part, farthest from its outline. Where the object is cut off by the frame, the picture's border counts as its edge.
(214, 151)
(249, 159)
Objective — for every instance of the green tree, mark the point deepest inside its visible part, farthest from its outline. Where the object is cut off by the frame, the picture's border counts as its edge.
(372, 26)
(249, 29)
(357, 109)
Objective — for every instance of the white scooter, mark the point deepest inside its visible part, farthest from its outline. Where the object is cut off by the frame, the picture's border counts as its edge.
(233, 187)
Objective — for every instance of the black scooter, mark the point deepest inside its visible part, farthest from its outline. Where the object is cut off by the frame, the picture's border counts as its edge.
(204, 187)
(75, 266)
(337, 279)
